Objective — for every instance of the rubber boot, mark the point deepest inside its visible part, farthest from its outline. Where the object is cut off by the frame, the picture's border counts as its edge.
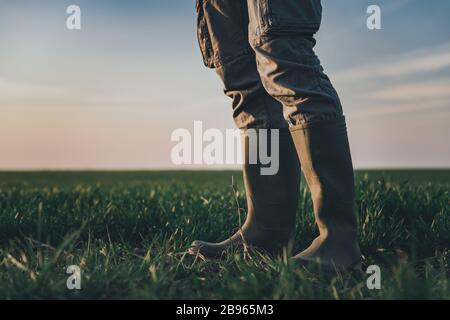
(271, 202)
(324, 154)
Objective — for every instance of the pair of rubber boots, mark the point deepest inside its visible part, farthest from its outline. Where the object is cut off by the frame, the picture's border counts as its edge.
(322, 150)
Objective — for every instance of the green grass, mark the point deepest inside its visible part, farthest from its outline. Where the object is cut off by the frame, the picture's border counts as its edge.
(128, 231)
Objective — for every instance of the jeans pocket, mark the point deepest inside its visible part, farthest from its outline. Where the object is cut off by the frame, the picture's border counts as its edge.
(290, 16)
(203, 36)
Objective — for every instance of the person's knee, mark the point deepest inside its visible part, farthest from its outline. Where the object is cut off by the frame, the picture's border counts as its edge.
(252, 106)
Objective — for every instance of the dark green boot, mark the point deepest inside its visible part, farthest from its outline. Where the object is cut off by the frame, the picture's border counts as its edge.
(271, 202)
(324, 154)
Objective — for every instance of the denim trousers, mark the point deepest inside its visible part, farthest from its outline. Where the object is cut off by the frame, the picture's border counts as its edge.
(263, 50)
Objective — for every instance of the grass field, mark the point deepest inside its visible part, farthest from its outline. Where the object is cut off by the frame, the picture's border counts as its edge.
(128, 232)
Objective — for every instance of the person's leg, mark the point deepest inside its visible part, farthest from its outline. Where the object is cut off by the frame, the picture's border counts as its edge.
(271, 200)
(223, 38)
(281, 34)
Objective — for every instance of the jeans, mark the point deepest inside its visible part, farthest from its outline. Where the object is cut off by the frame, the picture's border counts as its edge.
(263, 50)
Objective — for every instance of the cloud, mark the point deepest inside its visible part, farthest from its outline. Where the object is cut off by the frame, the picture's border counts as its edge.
(404, 65)
(403, 98)
(388, 108)
(11, 90)
(402, 84)
(20, 92)
(438, 89)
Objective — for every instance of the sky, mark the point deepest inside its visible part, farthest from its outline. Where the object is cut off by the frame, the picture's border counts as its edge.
(110, 95)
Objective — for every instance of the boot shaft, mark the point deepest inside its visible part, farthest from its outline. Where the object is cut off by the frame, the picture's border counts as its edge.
(324, 153)
(272, 199)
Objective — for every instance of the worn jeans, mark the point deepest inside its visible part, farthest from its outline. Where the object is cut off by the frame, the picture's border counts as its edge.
(263, 52)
